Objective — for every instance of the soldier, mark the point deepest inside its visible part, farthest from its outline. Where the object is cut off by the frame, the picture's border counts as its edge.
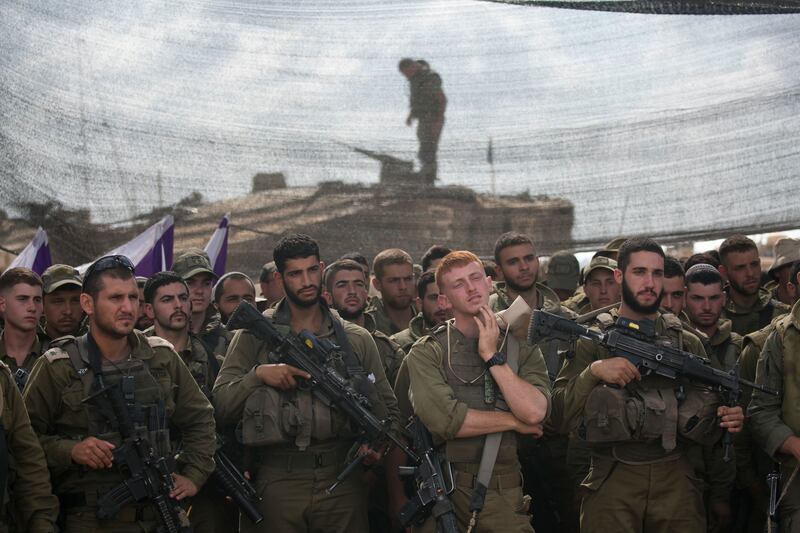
(646, 484)
(787, 253)
(142, 322)
(29, 505)
(749, 307)
(433, 256)
(270, 285)
(427, 105)
(79, 437)
(599, 285)
(563, 272)
(347, 294)
(467, 381)
(674, 295)
(195, 269)
(544, 462)
(21, 305)
(774, 420)
(394, 279)
(231, 289)
(294, 462)
(433, 312)
(61, 288)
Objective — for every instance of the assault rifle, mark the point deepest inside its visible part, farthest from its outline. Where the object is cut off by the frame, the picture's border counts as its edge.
(230, 482)
(647, 357)
(432, 487)
(149, 474)
(313, 355)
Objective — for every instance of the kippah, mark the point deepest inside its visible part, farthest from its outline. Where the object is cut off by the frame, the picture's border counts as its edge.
(701, 267)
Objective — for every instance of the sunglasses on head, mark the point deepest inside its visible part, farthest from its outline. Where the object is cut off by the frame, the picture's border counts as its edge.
(107, 263)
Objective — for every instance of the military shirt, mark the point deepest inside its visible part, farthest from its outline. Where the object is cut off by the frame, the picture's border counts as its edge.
(724, 347)
(377, 311)
(773, 419)
(32, 506)
(196, 358)
(238, 380)
(214, 334)
(432, 397)
(416, 330)
(425, 86)
(746, 321)
(391, 353)
(21, 373)
(54, 397)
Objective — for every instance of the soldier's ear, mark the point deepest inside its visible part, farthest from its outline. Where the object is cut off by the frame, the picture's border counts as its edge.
(618, 276)
(149, 313)
(87, 303)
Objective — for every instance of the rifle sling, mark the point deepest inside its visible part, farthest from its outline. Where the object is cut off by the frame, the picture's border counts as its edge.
(491, 446)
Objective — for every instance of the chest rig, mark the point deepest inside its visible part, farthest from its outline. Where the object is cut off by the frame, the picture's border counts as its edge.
(472, 384)
(141, 392)
(646, 421)
(299, 417)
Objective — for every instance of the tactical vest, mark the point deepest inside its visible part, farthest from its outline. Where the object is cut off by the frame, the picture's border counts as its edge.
(646, 421)
(483, 395)
(297, 416)
(145, 392)
(790, 338)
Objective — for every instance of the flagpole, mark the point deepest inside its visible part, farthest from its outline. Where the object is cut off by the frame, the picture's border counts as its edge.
(490, 157)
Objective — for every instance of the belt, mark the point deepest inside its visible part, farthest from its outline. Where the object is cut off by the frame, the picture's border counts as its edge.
(498, 481)
(304, 461)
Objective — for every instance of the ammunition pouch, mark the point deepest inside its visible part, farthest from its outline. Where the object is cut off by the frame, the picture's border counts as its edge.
(613, 415)
(697, 416)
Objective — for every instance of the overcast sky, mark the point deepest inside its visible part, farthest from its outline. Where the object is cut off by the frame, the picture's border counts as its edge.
(98, 99)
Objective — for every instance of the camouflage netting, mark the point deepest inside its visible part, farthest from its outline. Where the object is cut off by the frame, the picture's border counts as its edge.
(669, 125)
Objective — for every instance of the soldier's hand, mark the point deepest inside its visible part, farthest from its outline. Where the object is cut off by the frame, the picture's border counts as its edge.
(732, 418)
(409, 119)
(720, 516)
(183, 487)
(280, 376)
(94, 453)
(615, 371)
(488, 332)
(370, 456)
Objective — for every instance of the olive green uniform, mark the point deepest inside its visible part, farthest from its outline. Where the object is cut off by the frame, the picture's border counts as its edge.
(544, 460)
(293, 469)
(214, 334)
(577, 301)
(389, 350)
(30, 506)
(21, 373)
(442, 387)
(774, 419)
(724, 347)
(415, 331)
(635, 485)
(61, 420)
(377, 310)
(746, 321)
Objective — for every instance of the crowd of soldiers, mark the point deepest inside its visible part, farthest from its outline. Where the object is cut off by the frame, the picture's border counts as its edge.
(552, 434)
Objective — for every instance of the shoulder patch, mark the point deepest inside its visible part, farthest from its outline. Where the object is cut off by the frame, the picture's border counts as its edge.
(61, 341)
(56, 353)
(156, 342)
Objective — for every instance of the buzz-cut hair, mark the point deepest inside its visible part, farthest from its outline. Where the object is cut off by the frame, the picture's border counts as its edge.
(15, 276)
(159, 280)
(704, 274)
(636, 244)
(297, 246)
(736, 243)
(391, 256)
(673, 268)
(701, 258)
(339, 266)
(94, 283)
(453, 260)
(507, 239)
(405, 63)
(425, 279)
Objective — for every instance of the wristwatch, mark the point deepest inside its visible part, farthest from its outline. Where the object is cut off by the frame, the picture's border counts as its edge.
(498, 358)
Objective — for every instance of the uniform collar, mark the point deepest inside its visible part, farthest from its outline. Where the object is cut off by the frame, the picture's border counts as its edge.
(763, 300)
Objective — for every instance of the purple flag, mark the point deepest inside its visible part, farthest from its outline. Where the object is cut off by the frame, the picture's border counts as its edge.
(150, 251)
(36, 255)
(217, 247)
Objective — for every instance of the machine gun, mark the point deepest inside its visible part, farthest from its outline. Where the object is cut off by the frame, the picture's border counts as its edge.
(647, 357)
(432, 487)
(149, 474)
(312, 355)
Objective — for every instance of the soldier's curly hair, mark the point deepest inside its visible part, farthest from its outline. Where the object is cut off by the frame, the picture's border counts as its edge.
(297, 246)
